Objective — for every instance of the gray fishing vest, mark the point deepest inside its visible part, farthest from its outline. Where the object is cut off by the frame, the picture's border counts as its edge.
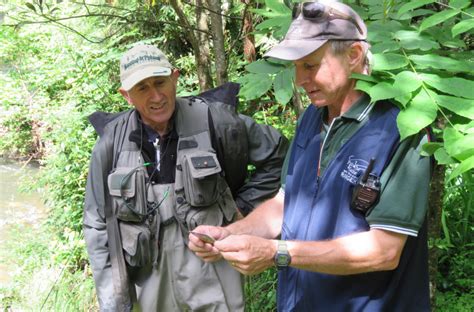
(201, 193)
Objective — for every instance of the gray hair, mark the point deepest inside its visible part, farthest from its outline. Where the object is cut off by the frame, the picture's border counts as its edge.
(339, 47)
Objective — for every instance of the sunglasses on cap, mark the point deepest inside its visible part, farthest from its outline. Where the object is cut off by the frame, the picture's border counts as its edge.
(315, 11)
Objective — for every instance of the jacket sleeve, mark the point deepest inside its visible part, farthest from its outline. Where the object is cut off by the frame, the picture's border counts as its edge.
(266, 152)
(95, 231)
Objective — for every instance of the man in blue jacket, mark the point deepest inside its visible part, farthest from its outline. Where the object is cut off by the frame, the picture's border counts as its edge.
(351, 214)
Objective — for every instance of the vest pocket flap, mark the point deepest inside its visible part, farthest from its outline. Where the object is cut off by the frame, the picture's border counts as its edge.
(121, 182)
(202, 164)
(136, 243)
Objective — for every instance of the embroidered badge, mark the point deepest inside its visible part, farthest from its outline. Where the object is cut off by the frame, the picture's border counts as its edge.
(354, 166)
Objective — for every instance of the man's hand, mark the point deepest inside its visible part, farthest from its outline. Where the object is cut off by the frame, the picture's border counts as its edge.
(204, 250)
(247, 254)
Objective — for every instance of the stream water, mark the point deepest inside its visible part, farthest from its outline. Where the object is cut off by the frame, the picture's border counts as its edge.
(16, 207)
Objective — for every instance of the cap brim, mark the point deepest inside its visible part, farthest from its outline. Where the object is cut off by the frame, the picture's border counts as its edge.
(292, 50)
(144, 73)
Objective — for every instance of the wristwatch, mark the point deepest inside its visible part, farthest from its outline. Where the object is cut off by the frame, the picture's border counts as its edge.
(282, 258)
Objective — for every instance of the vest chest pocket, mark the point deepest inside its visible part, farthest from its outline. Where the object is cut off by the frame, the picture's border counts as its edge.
(200, 178)
(127, 190)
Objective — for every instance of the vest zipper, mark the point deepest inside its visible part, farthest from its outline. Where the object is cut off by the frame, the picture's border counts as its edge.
(156, 144)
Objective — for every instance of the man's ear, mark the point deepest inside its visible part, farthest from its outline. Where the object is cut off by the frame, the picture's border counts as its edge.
(175, 75)
(126, 96)
(356, 57)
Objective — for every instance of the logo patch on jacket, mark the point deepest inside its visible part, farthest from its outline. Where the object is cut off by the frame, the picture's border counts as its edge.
(354, 167)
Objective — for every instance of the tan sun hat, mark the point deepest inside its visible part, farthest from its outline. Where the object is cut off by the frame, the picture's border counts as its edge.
(141, 62)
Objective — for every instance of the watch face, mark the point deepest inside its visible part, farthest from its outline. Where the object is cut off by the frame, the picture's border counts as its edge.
(282, 260)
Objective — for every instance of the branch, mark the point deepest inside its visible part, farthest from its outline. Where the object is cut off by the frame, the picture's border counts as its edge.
(212, 11)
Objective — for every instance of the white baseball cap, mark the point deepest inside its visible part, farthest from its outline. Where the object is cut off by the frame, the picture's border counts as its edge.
(141, 62)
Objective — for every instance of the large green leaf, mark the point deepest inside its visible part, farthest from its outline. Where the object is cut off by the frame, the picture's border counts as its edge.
(452, 85)
(389, 61)
(413, 5)
(460, 4)
(264, 67)
(420, 113)
(431, 147)
(274, 22)
(437, 18)
(382, 91)
(266, 13)
(278, 6)
(411, 14)
(364, 86)
(364, 77)
(384, 47)
(407, 81)
(443, 158)
(458, 145)
(254, 85)
(464, 166)
(441, 62)
(413, 40)
(462, 27)
(457, 105)
(283, 85)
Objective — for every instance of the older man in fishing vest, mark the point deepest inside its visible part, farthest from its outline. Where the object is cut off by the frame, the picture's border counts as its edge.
(160, 170)
(352, 212)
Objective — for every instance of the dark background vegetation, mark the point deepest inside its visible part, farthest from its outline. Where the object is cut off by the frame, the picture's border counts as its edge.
(59, 63)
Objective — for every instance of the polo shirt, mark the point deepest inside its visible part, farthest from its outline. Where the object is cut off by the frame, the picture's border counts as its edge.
(317, 208)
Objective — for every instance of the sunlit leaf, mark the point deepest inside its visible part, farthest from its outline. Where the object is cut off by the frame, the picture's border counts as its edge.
(443, 158)
(441, 62)
(460, 4)
(437, 18)
(462, 27)
(420, 113)
(364, 77)
(451, 85)
(464, 166)
(263, 67)
(384, 47)
(458, 145)
(274, 22)
(382, 91)
(413, 40)
(411, 14)
(407, 81)
(462, 107)
(277, 6)
(364, 86)
(283, 85)
(413, 5)
(403, 99)
(255, 86)
(389, 61)
(431, 147)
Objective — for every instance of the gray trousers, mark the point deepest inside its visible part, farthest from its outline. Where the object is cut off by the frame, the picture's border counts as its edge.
(181, 281)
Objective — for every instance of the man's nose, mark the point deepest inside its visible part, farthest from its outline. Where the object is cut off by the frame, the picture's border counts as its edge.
(156, 94)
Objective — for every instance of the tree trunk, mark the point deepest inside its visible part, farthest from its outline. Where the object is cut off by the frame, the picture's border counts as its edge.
(247, 29)
(296, 100)
(198, 42)
(218, 41)
(434, 223)
(203, 56)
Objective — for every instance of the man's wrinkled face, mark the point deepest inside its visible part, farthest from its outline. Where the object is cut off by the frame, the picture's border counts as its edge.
(324, 76)
(155, 99)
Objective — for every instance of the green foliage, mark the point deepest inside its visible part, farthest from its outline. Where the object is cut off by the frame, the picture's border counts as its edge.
(417, 64)
(260, 291)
